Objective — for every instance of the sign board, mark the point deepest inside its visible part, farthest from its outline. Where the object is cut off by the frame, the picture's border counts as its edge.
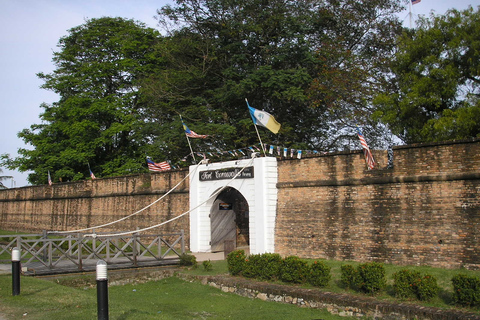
(225, 206)
(227, 173)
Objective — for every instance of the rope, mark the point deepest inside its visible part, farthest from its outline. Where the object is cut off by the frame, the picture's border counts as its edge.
(131, 215)
(181, 215)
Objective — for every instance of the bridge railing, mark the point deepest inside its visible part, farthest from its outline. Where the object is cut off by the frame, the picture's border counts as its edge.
(78, 250)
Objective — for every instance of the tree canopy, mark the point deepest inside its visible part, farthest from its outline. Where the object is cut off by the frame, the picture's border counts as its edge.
(96, 120)
(314, 65)
(319, 66)
(436, 88)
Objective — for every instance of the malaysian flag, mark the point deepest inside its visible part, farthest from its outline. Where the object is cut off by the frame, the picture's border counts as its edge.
(156, 167)
(366, 150)
(191, 133)
(416, 1)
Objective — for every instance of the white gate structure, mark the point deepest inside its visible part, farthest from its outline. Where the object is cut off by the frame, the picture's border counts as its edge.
(257, 183)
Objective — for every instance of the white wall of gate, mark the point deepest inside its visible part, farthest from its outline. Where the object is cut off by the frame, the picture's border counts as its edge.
(259, 191)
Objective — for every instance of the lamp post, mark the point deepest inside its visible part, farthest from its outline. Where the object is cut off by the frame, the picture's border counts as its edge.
(102, 290)
(16, 257)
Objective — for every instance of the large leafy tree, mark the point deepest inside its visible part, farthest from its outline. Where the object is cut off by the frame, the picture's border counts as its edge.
(271, 52)
(436, 88)
(352, 68)
(97, 119)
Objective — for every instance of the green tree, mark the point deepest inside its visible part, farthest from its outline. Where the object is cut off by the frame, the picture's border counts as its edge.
(97, 118)
(435, 91)
(352, 67)
(270, 52)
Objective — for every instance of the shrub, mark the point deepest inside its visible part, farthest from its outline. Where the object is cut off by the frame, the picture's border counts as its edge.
(371, 277)
(319, 274)
(252, 268)
(349, 276)
(426, 287)
(466, 290)
(293, 270)
(411, 284)
(188, 260)
(236, 262)
(402, 283)
(207, 265)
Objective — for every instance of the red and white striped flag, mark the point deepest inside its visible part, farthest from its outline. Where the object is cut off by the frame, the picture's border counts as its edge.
(366, 150)
(156, 167)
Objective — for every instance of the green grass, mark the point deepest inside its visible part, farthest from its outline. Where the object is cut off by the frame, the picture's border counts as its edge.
(170, 298)
(444, 276)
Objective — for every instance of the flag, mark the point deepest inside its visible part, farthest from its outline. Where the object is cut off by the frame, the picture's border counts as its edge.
(162, 166)
(366, 150)
(191, 133)
(416, 1)
(49, 178)
(299, 154)
(92, 175)
(264, 119)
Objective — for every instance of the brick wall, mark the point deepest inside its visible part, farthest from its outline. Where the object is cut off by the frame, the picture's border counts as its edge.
(424, 210)
(68, 206)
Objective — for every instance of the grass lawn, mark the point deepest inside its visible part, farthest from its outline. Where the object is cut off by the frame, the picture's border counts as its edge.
(444, 299)
(176, 299)
(170, 298)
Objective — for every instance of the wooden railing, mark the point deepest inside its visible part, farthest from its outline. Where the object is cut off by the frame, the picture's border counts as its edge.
(80, 252)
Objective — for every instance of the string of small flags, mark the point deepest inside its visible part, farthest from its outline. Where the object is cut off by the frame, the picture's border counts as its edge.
(272, 150)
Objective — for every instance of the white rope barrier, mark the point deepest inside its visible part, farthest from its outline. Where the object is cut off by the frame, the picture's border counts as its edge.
(181, 215)
(131, 215)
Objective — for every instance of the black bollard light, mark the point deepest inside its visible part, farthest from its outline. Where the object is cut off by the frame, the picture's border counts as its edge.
(102, 290)
(16, 267)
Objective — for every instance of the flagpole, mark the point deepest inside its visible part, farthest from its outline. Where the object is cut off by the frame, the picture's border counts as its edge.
(188, 140)
(261, 143)
(258, 134)
(410, 13)
(191, 150)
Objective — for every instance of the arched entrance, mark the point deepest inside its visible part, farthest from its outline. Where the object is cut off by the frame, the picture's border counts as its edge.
(229, 220)
(257, 183)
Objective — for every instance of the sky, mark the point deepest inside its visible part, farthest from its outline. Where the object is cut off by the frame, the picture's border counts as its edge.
(30, 33)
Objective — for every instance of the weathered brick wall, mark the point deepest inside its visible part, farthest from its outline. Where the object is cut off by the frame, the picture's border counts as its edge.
(424, 210)
(69, 206)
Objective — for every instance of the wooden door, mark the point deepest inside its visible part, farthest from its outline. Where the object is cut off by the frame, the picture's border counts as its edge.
(223, 226)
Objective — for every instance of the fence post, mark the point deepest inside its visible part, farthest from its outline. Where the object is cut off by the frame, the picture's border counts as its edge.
(50, 253)
(45, 252)
(16, 257)
(134, 249)
(80, 242)
(183, 241)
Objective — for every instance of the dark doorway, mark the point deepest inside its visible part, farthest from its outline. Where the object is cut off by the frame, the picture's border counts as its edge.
(229, 220)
